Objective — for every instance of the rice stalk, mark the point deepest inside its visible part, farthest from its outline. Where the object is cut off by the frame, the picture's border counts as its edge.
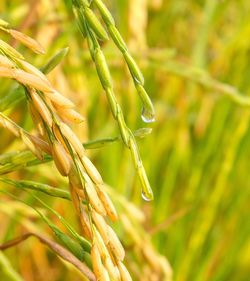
(68, 154)
(148, 114)
(106, 81)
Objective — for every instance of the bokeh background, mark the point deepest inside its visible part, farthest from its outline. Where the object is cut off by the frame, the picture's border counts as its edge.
(195, 56)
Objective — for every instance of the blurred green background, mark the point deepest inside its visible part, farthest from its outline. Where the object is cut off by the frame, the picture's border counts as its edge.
(195, 56)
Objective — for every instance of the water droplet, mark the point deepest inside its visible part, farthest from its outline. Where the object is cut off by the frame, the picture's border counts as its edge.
(147, 197)
(137, 80)
(142, 132)
(147, 115)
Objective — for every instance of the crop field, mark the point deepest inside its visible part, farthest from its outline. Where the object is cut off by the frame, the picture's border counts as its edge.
(125, 140)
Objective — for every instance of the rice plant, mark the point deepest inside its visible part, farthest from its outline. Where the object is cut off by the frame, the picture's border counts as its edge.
(124, 140)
